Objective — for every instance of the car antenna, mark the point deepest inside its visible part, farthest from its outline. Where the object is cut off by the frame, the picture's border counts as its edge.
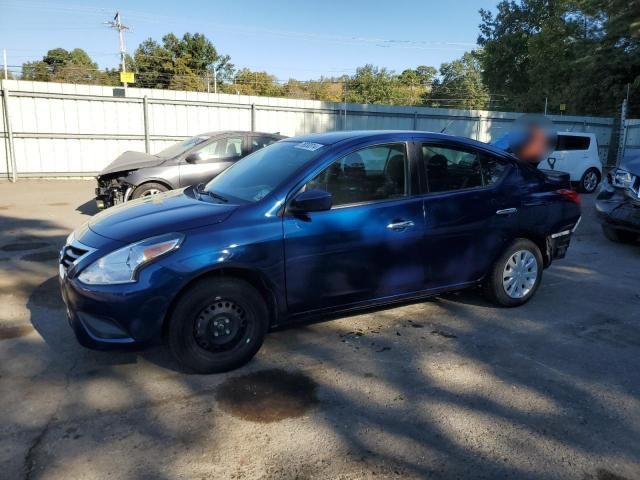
(447, 126)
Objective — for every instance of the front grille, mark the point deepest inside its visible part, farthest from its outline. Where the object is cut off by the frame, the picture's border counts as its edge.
(72, 253)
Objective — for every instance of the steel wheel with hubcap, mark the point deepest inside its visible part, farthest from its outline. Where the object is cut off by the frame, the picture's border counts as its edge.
(520, 274)
(515, 275)
(218, 324)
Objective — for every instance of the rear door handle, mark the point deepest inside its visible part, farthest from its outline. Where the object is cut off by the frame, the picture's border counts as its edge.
(506, 211)
(397, 226)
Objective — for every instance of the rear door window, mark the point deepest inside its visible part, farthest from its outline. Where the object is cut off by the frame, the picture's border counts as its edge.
(450, 169)
(256, 142)
(572, 142)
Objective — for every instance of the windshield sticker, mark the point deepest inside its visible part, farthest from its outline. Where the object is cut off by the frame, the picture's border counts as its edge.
(310, 146)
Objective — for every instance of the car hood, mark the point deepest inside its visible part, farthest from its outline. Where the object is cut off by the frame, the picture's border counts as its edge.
(172, 211)
(131, 161)
(631, 164)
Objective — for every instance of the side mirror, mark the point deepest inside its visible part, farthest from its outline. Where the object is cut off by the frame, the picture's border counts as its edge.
(311, 201)
(196, 157)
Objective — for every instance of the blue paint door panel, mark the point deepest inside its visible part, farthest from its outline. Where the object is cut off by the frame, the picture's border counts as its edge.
(350, 254)
(463, 235)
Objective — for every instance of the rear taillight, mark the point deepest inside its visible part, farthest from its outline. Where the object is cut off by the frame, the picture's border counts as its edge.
(569, 195)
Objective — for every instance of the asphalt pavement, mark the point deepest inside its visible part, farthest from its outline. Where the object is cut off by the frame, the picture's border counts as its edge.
(452, 387)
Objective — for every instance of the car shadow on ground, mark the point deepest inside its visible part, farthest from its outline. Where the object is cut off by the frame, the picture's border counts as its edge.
(88, 208)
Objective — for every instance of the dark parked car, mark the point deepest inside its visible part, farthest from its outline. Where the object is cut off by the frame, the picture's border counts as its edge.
(307, 226)
(194, 160)
(618, 203)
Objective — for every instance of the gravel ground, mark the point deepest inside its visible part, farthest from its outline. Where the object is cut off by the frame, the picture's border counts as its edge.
(448, 388)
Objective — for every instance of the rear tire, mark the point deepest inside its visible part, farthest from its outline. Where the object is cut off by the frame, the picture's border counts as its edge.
(619, 236)
(515, 275)
(218, 325)
(148, 189)
(589, 181)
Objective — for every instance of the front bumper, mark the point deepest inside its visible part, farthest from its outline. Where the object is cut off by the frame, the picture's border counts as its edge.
(120, 315)
(103, 319)
(616, 209)
(110, 193)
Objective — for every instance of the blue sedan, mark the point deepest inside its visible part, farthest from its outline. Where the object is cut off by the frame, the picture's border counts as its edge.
(308, 226)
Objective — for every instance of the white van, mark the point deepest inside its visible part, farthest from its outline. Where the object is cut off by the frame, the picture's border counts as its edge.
(577, 154)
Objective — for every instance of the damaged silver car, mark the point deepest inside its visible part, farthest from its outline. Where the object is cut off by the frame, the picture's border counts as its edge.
(618, 203)
(195, 160)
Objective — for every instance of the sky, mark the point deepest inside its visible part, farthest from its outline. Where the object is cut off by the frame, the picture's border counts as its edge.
(303, 39)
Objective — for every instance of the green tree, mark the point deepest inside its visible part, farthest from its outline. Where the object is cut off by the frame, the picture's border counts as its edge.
(460, 84)
(192, 57)
(37, 71)
(579, 52)
(415, 84)
(60, 65)
(154, 65)
(371, 84)
(248, 82)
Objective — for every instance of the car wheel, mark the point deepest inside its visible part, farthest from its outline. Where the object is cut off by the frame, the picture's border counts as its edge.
(619, 236)
(589, 181)
(218, 325)
(148, 189)
(515, 276)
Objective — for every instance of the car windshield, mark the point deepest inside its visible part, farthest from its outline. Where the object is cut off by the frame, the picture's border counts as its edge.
(258, 174)
(179, 148)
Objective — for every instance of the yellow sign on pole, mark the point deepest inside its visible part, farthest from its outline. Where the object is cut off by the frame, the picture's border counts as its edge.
(563, 107)
(127, 77)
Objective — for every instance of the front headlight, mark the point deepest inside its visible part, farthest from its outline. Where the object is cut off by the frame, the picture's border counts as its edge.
(621, 178)
(121, 265)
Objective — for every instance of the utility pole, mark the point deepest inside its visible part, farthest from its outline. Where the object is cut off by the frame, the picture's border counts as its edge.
(215, 81)
(546, 104)
(116, 24)
(344, 86)
(622, 138)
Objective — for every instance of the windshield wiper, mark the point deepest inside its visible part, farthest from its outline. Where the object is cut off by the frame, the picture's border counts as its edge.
(200, 189)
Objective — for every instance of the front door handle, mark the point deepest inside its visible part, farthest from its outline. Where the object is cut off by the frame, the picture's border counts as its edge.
(398, 226)
(506, 211)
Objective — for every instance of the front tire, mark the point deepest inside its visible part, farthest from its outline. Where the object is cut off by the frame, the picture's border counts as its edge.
(619, 236)
(589, 181)
(218, 325)
(148, 189)
(515, 275)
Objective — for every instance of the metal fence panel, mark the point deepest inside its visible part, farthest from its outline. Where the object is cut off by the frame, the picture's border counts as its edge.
(632, 144)
(65, 129)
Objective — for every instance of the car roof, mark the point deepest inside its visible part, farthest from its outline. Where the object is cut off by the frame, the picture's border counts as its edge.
(333, 138)
(221, 133)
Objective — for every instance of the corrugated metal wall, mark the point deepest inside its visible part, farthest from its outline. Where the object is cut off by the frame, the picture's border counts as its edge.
(632, 144)
(65, 129)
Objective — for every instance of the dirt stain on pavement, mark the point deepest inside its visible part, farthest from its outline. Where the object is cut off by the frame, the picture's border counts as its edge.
(267, 396)
(57, 204)
(46, 256)
(21, 247)
(602, 474)
(442, 333)
(14, 331)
